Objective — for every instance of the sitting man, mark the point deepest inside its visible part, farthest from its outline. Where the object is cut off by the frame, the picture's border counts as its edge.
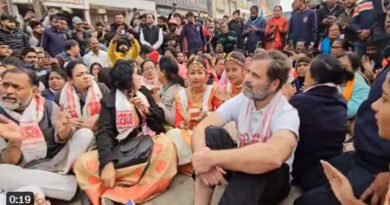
(259, 167)
(119, 48)
(46, 147)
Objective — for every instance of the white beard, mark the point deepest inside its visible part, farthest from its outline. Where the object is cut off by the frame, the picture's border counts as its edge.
(17, 105)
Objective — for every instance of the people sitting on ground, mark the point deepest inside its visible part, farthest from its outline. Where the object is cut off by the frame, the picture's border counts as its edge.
(171, 83)
(56, 81)
(367, 168)
(171, 52)
(38, 144)
(356, 90)
(149, 75)
(334, 32)
(127, 115)
(302, 66)
(339, 46)
(219, 67)
(192, 104)
(340, 185)
(258, 168)
(81, 96)
(95, 69)
(322, 130)
(235, 72)
(120, 48)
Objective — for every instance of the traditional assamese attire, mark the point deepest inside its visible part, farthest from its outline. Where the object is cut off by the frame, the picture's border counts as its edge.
(119, 118)
(182, 136)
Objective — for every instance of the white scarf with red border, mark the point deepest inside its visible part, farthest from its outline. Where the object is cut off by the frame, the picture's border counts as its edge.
(126, 117)
(33, 146)
(71, 100)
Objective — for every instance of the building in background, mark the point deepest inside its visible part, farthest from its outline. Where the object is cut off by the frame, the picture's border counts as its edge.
(164, 7)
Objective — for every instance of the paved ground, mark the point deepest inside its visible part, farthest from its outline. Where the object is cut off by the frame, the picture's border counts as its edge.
(181, 192)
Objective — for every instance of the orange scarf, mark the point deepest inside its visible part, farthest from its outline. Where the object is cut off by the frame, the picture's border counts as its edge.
(348, 89)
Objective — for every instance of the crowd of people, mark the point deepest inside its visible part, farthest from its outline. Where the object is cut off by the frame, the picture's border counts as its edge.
(115, 111)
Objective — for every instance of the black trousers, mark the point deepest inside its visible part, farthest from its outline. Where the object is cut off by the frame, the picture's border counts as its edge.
(249, 189)
(318, 190)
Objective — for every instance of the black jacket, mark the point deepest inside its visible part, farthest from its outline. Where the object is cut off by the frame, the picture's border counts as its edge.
(238, 27)
(107, 132)
(322, 130)
(324, 12)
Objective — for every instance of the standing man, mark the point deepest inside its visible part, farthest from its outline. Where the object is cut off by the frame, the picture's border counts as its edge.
(327, 15)
(151, 34)
(120, 48)
(54, 38)
(363, 23)
(10, 34)
(193, 34)
(95, 55)
(254, 30)
(78, 34)
(303, 25)
(227, 38)
(237, 25)
(258, 169)
(345, 19)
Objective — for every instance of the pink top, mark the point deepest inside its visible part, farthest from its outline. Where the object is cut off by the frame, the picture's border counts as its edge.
(182, 71)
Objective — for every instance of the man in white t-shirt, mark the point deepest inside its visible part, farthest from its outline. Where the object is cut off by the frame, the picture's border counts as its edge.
(96, 55)
(258, 168)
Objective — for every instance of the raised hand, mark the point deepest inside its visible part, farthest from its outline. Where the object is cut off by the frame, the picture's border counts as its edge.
(63, 119)
(339, 184)
(139, 104)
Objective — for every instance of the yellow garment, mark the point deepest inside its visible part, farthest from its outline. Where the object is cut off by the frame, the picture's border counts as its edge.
(132, 54)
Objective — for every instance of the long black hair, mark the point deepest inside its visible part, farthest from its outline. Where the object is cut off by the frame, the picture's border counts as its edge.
(355, 59)
(122, 75)
(327, 69)
(171, 69)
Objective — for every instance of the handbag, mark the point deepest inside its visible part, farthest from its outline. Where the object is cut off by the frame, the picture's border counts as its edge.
(133, 150)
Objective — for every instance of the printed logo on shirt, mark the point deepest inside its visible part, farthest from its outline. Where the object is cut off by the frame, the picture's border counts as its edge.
(305, 19)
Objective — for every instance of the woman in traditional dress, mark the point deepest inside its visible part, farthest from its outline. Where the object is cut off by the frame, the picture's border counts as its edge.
(191, 105)
(235, 74)
(127, 114)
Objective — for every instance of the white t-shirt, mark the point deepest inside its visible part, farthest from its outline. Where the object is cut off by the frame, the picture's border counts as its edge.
(90, 58)
(284, 117)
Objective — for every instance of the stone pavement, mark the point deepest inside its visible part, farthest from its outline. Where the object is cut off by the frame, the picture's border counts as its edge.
(181, 192)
